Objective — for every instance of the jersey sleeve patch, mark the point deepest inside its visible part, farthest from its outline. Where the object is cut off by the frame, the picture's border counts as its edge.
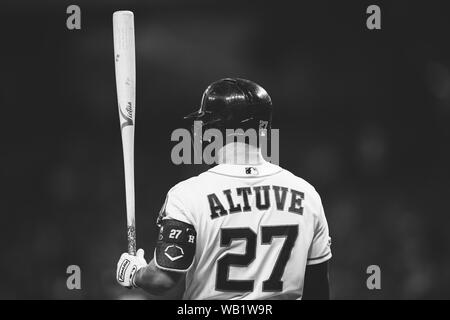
(175, 248)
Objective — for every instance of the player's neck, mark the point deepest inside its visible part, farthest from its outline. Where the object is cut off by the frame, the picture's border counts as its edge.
(239, 153)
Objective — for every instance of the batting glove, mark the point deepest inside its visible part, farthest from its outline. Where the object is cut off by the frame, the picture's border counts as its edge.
(128, 266)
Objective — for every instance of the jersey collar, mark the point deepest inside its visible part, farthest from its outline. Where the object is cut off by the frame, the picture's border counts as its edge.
(246, 171)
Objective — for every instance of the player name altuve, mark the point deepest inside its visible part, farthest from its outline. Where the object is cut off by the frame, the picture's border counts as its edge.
(238, 200)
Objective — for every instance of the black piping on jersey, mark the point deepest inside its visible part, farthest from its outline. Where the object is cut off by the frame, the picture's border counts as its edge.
(311, 259)
(232, 176)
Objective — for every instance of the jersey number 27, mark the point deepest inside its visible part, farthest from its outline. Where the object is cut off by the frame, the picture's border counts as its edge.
(273, 283)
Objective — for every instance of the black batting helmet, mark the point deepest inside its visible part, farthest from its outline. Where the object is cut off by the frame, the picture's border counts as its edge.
(234, 103)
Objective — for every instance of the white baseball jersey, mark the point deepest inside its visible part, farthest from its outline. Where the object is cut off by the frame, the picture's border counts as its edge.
(243, 232)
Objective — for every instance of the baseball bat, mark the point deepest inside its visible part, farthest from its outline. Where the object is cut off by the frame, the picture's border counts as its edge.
(125, 65)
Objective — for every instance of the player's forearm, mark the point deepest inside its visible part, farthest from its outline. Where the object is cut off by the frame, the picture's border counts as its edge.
(154, 280)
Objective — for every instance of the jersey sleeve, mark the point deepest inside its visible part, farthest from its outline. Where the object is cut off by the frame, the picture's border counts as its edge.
(176, 206)
(175, 248)
(320, 249)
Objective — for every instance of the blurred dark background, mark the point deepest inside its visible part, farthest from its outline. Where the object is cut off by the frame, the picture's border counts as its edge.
(363, 115)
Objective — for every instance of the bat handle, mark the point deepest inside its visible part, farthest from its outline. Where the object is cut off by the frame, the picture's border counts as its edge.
(131, 235)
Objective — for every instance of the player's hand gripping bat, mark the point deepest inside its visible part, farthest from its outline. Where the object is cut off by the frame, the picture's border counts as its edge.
(124, 56)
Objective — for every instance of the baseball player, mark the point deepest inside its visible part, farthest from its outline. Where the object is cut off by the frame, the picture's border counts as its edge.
(246, 228)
